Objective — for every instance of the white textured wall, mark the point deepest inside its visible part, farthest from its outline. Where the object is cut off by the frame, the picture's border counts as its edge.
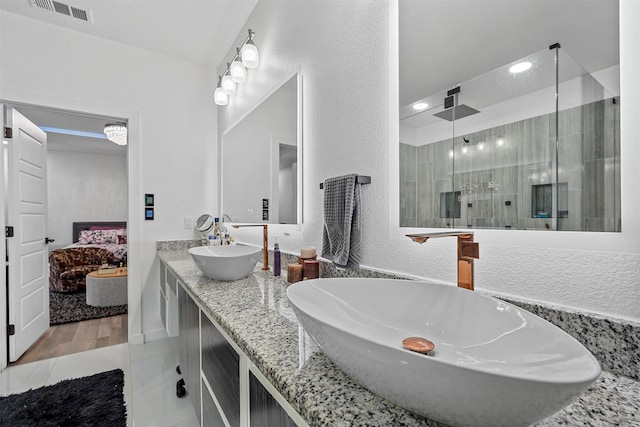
(83, 187)
(350, 113)
(172, 131)
(344, 102)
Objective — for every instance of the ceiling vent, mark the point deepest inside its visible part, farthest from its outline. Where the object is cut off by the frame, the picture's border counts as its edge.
(64, 9)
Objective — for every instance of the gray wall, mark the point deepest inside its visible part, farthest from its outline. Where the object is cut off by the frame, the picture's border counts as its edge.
(84, 187)
(496, 180)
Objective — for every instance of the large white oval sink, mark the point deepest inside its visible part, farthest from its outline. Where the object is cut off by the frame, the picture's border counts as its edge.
(226, 262)
(494, 364)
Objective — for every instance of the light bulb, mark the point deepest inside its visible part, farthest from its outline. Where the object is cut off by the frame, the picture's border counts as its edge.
(250, 55)
(238, 72)
(220, 97)
(480, 146)
(520, 67)
(228, 85)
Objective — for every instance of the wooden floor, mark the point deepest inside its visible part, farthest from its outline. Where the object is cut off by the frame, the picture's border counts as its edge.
(69, 338)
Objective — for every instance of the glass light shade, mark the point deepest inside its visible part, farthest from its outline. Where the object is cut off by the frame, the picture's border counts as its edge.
(238, 72)
(228, 85)
(220, 97)
(250, 55)
(116, 132)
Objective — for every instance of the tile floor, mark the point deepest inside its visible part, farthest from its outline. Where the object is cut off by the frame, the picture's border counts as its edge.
(150, 380)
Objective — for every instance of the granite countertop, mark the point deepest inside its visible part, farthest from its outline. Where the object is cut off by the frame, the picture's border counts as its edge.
(256, 314)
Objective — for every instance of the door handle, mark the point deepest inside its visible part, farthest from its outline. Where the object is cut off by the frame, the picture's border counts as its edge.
(48, 240)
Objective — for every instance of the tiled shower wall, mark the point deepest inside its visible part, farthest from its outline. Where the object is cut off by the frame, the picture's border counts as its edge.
(499, 167)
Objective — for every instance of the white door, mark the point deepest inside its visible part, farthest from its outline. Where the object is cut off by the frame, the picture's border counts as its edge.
(28, 287)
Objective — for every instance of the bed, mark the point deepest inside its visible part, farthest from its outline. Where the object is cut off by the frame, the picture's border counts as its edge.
(101, 234)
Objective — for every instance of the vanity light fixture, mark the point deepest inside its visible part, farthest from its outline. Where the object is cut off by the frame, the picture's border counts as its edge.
(116, 132)
(250, 54)
(228, 85)
(220, 97)
(520, 67)
(247, 57)
(237, 70)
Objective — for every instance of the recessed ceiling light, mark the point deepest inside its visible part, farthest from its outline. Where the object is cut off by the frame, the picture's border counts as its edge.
(520, 67)
(420, 106)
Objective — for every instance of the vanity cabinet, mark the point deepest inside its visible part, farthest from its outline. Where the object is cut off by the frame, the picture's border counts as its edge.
(221, 369)
(264, 409)
(189, 343)
(163, 295)
(169, 301)
(210, 414)
(223, 384)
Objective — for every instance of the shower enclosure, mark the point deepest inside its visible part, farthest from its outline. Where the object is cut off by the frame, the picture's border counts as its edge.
(534, 144)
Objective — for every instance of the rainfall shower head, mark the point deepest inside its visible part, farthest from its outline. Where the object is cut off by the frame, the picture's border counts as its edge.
(461, 111)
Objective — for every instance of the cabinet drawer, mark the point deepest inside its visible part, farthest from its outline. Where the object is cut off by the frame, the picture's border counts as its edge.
(163, 308)
(264, 408)
(221, 367)
(171, 281)
(189, 333)
(210, 414)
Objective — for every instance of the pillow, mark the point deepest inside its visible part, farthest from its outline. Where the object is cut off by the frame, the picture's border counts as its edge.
(122, 236)
(97, 237)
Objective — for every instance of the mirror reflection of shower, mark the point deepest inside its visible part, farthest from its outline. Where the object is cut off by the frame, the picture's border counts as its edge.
(533, 144)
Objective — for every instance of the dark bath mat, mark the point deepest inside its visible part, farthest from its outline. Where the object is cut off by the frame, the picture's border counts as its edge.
(96, 400)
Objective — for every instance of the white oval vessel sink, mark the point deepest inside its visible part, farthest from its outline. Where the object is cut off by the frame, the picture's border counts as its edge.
(226, 262)
(494, 364)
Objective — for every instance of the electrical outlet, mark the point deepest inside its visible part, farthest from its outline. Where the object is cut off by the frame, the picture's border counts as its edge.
(188, 222)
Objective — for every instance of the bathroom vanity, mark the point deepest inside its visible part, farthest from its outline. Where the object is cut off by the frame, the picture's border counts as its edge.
(246, 361)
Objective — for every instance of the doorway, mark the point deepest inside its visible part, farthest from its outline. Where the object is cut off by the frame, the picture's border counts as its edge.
(87, 182)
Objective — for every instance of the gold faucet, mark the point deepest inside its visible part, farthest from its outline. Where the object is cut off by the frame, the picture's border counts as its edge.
(265, 242)
(468, 250)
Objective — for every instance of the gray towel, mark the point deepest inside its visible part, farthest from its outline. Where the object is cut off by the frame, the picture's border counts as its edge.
(341, 236)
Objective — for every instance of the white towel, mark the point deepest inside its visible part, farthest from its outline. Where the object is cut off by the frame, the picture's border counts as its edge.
(341, 236)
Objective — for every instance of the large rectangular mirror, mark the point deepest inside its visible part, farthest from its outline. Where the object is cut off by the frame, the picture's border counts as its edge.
(485, 145)
(261, 161)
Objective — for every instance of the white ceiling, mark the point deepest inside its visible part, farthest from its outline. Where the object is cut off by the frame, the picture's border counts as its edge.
(199, 31)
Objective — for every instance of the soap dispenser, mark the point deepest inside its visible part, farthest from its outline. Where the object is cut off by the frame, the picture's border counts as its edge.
(276, 259)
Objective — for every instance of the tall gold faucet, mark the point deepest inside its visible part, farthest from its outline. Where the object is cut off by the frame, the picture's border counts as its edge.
(265, 242)
(468, 250)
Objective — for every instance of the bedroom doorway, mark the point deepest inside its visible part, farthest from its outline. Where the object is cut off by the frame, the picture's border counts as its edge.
(87, 183)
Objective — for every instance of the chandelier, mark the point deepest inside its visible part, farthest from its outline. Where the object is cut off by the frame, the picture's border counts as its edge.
(116, 132)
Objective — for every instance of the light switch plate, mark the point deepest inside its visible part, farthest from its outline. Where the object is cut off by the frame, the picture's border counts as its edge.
(188, 222)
